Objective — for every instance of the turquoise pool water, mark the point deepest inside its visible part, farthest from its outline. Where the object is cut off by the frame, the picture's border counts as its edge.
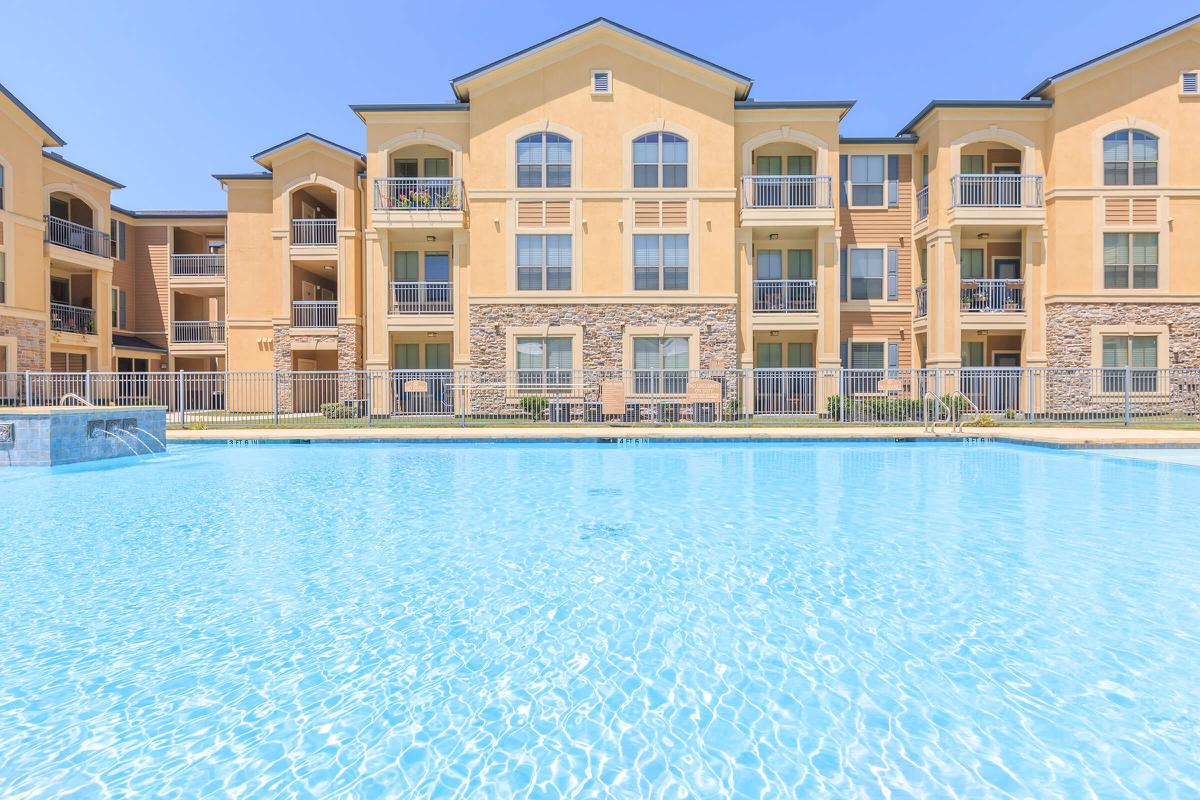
(591, 620)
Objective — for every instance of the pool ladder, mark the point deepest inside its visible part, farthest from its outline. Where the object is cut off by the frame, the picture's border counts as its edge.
(957, 421)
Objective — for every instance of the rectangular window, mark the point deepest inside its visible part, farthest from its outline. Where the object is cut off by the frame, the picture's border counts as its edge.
(437, 168)
(3, 281)
(866, 355)
(970, 165)
(544, 262)
(543, 361)
(405, 266)
(1131, 260)
(660, 261)
(404, 168)
(866, 180)
(1136, 356)
(800, 265)
(118, 309)
(1, 187)
(660, 365)
(866, 274)
(972, 354)
(971, 263)
(770, 265)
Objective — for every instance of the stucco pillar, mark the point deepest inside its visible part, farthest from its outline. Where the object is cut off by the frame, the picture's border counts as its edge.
(829, 299)
(944, 340)
(1033, 256)
(460, 253)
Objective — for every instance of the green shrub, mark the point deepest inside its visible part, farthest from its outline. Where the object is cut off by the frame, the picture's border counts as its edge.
(534, 406)
(984, 421)
(338, 411)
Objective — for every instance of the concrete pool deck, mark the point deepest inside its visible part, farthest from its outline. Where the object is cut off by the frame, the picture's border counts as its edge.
(1052, 436)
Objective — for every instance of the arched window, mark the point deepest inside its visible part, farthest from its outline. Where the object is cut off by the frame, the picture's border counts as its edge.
(1130, 158)
(660, 159)
(543, 159)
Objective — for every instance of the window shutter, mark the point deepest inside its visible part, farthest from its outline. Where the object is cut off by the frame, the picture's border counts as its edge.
(893, 356)
(893, 180)
(843, 176)
(845, 350)
(845, 275)
(121, 227)
(893, 274)
(1191, 83)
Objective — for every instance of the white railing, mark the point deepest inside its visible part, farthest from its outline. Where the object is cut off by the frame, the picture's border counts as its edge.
(418, 194)
(198, 331)
(787, 191)
(993, 295)
(189, 265)
(72, 319)
(923, 203)
(422, 297)
(783, 296)
(314, 313)
(78, 237)
(314, 232)
(922, 300)
(996, 191)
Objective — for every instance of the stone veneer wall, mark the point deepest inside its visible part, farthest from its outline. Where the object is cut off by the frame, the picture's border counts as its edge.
(1069, 345)
(603, 324)
(31, 342)
(1069, 329)
(349, 358)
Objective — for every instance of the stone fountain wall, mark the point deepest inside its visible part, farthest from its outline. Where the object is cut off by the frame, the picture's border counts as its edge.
(48, 436)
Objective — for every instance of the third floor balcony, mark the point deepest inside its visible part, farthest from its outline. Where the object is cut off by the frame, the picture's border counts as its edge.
(785, 296)
(79, 237)
(197, 265)
(432, 202)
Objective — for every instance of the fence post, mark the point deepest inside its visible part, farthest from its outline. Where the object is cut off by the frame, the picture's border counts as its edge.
(28, 389)
(275, 397)
(87, 388)
(179, 395)
(370, 381)
(463, 397)
(1128, 394)
(1029, 376)
(842, 395)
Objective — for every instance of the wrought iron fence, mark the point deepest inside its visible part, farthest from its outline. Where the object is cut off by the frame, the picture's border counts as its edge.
(78, 237)
(787, 191)
(418, 194)
(314, 232)
(977, 395)
(189, 265)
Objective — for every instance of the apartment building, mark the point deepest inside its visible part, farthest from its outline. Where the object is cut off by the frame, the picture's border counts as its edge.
(602, 200)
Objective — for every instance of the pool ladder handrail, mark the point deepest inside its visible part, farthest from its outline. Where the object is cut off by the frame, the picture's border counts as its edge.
(62, 401)
(957, 421)
(931, 424)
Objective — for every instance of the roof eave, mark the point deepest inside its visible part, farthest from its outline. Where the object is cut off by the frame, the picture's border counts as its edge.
(259, 157)
(51, 139)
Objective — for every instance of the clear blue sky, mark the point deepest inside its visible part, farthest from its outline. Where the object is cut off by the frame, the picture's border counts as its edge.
(159, 95)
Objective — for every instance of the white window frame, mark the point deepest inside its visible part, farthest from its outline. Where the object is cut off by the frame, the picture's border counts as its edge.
(660, 164)
(850, 275)
(544, 267)
(549, 379)
(543, 182)
(850, 183)
(660, 266)
(1129, 162)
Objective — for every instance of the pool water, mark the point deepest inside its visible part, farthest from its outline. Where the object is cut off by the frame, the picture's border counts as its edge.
(593, 620)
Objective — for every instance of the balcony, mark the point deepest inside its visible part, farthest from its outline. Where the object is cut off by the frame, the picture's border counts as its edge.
(197, 265)
(78, 237)
(923, 204)
(922, 300)
(785, 296)
(72, 319)
(197, 332)
(314, 232)
(996, 199)
(787, 199)
(314, 313)
(422, 297)
(993, 295)
(428, 202)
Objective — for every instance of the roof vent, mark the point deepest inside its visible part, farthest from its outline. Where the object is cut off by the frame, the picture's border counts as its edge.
(1190, 83)
(601, 81)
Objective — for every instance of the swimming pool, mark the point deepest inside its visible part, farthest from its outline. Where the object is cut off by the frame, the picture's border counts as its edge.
(670, 620)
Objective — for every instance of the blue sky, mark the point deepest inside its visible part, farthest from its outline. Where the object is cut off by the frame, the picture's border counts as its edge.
(160, 95)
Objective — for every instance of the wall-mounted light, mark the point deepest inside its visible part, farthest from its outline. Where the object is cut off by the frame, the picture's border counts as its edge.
(431, 238)
(983, 235)
(773, 236)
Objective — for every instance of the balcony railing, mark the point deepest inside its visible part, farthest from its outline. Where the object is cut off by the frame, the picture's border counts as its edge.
(922, 300)
(996, 191)
(422, 297)
(78, 237)
(198, 331)
(197, 265)
(923, 203)
(993, 295)
(72, 319)
(418, 194)
(314, 232)
(787, 191)
(314, 313)
(784, 296)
